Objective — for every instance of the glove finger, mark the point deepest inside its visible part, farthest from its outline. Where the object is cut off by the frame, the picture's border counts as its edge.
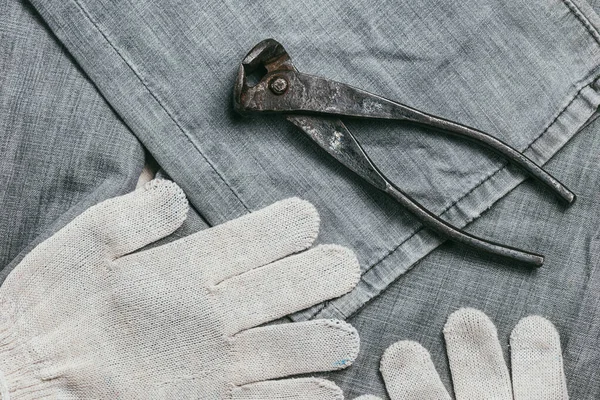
(245, 243)
(107, 230)
(409, 373)
(537, 363)
(287, 285)
(127, 223)
(289, 389)
(476, 360)
(276, 351)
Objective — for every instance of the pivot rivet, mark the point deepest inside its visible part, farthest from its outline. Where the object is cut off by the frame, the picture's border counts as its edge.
(278, 85)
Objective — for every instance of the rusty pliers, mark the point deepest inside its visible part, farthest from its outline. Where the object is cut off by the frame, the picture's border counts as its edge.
(313, 104)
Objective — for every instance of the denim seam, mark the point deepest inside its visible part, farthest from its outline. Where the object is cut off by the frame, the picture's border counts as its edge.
(158, 101)
(484, 180)
(583, 19)
(505, 165)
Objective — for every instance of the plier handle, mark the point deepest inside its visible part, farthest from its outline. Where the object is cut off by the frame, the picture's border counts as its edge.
(314, 104)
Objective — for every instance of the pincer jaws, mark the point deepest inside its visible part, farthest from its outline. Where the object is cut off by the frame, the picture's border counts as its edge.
(265, 59)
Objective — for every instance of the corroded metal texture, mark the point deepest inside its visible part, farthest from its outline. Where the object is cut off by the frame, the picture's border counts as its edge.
(314, 104)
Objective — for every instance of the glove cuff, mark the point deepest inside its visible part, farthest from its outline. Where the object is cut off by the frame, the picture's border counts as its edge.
(19, 374)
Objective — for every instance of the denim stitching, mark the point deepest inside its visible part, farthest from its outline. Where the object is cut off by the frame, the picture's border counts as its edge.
(384, 257)
(584, 21)
(171, 117)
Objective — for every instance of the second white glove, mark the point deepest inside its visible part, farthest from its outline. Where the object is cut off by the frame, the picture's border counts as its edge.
(477, 364)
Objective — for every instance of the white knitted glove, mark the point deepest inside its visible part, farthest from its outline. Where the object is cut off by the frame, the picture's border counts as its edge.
(477, 364)
(82, 317)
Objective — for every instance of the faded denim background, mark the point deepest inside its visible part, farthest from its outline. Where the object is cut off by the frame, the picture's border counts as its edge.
(524, 71)
(62, 148)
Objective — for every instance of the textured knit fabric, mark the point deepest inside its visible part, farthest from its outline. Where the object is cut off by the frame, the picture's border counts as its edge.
(475, 355)
(477, 364)
(82, 317)
(409, 373)
(536, 361)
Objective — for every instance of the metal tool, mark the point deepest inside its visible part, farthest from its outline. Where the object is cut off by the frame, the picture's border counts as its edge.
(313, 104)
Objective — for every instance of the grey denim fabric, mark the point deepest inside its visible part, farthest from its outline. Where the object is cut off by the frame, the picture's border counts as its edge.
(525, 71)
(62, 148)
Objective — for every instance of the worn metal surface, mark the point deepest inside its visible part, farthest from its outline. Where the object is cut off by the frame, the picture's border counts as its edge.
(312, 103)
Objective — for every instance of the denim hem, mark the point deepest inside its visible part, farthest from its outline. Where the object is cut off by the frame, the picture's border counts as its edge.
(139, 106)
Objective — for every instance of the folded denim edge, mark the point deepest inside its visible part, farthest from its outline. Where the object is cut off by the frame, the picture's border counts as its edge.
(376, 279)
(586, 15)
(128, 92)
